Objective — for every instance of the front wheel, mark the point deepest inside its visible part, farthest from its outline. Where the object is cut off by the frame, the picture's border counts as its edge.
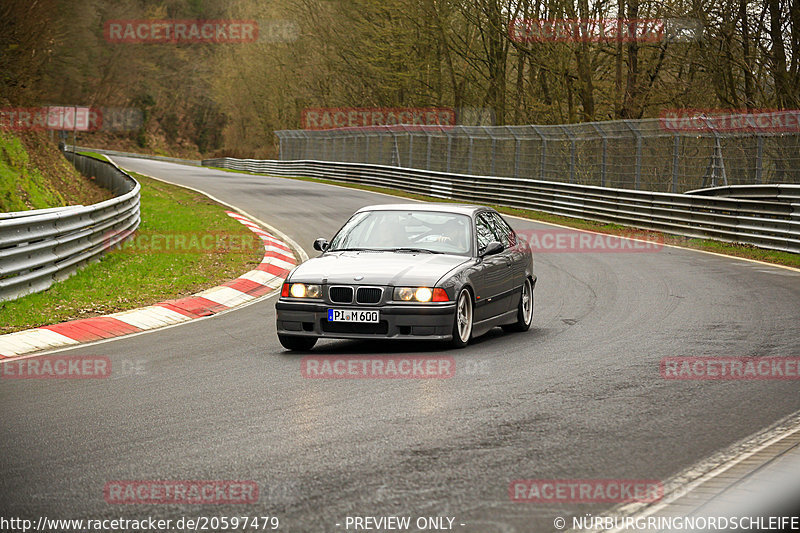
(298, 344)
(462, 323)
(525, 309)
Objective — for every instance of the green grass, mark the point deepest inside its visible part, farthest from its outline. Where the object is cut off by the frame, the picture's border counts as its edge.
(738, 250)
(22, 186)
(133, 276)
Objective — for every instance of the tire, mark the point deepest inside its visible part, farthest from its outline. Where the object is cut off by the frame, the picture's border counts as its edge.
(524, 311)
(298, 344)
(462, 321)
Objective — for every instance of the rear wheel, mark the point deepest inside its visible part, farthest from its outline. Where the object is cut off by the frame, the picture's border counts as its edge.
(462, 323)
(299, 344)
(525, 309)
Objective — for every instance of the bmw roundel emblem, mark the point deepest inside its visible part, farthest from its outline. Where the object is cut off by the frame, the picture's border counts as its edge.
(358, 278)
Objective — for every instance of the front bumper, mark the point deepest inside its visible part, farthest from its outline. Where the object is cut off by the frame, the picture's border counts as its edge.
(432, 321)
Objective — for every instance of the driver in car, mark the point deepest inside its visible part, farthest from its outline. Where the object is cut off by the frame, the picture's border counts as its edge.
(451, 233)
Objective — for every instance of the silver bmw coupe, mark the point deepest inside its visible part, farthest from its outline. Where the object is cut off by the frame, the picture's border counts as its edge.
(427, 271)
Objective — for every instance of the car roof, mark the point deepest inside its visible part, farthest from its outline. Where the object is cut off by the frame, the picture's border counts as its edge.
(442, 207)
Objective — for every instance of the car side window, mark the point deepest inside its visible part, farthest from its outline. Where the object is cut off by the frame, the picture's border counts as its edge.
(497, 234)
(510, 239)
(483, 232)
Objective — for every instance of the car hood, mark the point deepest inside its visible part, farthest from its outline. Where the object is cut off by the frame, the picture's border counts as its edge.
(378, 268)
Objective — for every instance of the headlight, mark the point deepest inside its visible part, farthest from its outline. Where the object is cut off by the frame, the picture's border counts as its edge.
(301, 290)
(420, 294)
(423, 294)
(403, 293)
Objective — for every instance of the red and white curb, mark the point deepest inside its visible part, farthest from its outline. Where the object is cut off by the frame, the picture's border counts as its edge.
(268, 276)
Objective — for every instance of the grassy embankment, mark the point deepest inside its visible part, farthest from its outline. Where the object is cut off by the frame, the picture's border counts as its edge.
(139, 273)
(34, 175)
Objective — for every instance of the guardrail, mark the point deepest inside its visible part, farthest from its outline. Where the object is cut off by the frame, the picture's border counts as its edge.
(40, 247)
(779, 192)
(763, 223)
(193, 162)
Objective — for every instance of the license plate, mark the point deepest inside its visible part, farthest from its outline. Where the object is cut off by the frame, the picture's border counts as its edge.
(352, 315)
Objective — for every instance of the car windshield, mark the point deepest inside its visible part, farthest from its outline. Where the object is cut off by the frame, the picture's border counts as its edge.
(406, 231)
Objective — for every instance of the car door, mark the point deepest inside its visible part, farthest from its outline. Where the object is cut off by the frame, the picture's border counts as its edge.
(516, 255)
(492, 295)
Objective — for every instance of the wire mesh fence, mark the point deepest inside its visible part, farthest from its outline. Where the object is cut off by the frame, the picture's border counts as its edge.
(647, 154)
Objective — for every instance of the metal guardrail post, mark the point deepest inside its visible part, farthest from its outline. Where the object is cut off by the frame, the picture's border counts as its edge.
(449, 149)
(604, 162)
(604, 158)
(676, 140)
(542, 173)
(395, 151)
(638, 164)
(716, 162)
(572, 161)
(517, 150)
(428, 151)
(410, 148)
(571, 153)
(469, 157)
(759, 158)
(494, 150)
(565, 129)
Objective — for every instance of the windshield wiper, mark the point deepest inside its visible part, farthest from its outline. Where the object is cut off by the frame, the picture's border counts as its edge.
(356, 250)
(415, 250)
(404, 250)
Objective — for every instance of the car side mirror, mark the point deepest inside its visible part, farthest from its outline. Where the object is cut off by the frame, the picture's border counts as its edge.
(492, 248)
(321, 244)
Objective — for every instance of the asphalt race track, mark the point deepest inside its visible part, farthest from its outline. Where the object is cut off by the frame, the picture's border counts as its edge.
(579, 396)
